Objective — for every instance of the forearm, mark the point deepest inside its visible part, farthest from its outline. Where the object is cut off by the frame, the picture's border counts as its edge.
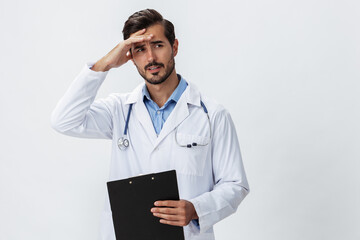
(101, 66)
(211, 207)
(74, 107)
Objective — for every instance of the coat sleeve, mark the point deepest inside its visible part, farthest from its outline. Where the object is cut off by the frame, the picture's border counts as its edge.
(230, 183)
(77, 114)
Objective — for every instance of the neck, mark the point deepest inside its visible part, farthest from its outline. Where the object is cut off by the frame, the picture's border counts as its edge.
(160, 93)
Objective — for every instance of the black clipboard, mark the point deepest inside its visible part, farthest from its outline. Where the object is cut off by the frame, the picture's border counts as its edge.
(131, 200)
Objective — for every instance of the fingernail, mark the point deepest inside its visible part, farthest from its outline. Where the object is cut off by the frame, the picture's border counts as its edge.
(155, 203)
(152, 210)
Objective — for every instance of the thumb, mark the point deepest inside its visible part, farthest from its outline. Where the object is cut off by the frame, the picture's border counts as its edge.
(128, 55)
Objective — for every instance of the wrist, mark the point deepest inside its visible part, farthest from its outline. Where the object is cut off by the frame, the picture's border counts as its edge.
(100, 66)
(194, 216)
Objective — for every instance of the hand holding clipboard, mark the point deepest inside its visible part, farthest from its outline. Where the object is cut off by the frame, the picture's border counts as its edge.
(132, 204)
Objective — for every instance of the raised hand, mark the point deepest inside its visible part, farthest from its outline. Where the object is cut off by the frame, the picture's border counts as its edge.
(120, 54)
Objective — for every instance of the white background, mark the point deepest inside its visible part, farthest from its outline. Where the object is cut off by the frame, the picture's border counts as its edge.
(288, 72)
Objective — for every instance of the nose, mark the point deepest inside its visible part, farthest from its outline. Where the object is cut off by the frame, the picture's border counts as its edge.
(150, 55)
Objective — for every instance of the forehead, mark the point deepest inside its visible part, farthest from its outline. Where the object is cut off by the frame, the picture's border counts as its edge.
(156, 30)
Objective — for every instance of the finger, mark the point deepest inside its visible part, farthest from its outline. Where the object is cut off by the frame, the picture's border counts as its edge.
(139, 32)
(146, 36)
(138, 39)
(167, 203)
(165, 210)
(169, 216)
(173, 223)
(141, 38)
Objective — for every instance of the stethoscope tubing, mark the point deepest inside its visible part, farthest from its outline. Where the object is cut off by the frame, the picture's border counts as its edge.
(127, 120)
(123, 142)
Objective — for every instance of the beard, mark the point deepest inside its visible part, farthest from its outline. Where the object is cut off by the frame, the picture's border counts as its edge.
(156, 78)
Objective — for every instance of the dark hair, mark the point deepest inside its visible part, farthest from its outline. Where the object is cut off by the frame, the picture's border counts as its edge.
(147, 18)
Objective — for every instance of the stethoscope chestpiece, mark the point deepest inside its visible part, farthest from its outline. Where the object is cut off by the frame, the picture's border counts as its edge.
(123, 143)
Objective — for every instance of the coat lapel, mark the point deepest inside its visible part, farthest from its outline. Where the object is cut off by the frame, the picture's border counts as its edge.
(177, 115)
(180, 112)
(141, 113)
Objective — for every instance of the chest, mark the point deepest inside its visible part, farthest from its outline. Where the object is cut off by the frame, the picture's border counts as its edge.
(149, 152)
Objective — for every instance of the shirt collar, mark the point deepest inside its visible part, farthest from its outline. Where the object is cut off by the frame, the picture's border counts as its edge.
(175, 96)
(191, 94)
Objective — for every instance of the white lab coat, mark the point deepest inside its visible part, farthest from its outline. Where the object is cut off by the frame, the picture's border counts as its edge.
(212, 177)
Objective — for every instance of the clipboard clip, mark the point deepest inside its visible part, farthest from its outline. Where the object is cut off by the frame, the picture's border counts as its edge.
(152, 178)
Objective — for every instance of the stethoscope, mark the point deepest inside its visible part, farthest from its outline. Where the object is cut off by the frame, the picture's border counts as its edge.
(123, 142)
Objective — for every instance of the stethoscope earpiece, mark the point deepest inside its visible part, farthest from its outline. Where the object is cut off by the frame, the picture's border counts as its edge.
(194, 144)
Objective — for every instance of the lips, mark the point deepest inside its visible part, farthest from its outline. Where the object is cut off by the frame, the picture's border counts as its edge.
(154, 69)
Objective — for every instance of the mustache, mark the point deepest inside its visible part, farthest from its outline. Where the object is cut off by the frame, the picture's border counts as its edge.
(153, 64)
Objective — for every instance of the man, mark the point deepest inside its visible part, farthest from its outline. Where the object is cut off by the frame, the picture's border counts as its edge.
(166, 123)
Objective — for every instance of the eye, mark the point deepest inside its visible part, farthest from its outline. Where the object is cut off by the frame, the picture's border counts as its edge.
(158, 45)
(139, 49)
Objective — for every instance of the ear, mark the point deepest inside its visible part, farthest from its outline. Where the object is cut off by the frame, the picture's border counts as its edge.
(175, 47)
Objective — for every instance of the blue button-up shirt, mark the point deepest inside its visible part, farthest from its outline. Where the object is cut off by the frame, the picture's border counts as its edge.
(159, 115)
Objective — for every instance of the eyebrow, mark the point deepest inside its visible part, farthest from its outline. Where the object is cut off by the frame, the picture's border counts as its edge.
(140, 46)
(156, 42)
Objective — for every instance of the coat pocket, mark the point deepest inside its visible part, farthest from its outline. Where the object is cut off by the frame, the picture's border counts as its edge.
(191, 161)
